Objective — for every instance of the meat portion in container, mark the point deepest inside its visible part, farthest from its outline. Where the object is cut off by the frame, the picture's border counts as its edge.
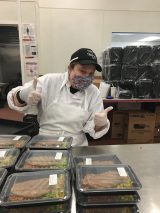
(110, 179)
(36, 188)
(47, 161)
(48, 143)
(9, 143)
(4, 143)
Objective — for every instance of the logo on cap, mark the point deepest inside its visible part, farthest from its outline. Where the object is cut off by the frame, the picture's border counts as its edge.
(91, 54)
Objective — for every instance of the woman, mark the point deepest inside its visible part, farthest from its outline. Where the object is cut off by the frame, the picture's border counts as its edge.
(67, 103)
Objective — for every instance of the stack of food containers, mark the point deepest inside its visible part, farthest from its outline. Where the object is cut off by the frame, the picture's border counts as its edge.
(32, 190)
(104, 185)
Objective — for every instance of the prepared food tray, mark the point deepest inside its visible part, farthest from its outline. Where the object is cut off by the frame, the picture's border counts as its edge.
(116, 198)
(96, 160)
(109, 209)
(13, 141)
(43, 160)
(111, 178)
(50, 142)
(36, 188)
(8, 157)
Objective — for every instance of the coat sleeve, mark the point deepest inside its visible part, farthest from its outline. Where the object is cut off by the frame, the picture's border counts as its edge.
(13, 104)
(96, 105)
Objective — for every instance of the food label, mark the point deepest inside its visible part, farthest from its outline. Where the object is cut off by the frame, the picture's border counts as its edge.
(88, 161)
(58, 155)
(53, 179)
(2, 153)
(61, 139)
(122, 171)
(17, 138)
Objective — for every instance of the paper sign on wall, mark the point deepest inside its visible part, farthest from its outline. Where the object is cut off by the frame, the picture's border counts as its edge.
(31, 68)
(30, 50)
(28, 32)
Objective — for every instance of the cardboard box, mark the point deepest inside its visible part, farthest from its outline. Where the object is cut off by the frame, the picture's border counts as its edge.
(129, 106)
(140, 127)
(157, 110)
(117, 126)
(157, 132)
(157, 122)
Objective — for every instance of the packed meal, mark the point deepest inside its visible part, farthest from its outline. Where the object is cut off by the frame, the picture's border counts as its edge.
(49, 143)
(37, 189)
(109, 179)
(44, 161)
(12, 141)
(9, 143)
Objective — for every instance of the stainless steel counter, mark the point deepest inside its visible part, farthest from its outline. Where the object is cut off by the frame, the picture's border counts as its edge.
(145, 161)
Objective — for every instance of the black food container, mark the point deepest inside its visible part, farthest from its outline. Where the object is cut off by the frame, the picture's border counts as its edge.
(37, 190)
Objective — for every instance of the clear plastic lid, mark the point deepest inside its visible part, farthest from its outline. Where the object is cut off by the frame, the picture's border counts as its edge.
(110, 198)
(44, 159)
(8, 157)
(36, 187)
(97, 160)
(3, 173)
(109, 209)
(13, 141)
(50, 142)
(111, 178)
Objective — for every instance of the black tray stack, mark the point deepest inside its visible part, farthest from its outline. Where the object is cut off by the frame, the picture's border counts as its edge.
(134, 70)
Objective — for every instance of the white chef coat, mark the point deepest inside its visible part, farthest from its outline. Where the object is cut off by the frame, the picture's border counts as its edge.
(65, 113)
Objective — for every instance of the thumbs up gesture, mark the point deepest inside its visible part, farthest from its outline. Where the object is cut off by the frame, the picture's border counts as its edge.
(30, 95)
(100, 118)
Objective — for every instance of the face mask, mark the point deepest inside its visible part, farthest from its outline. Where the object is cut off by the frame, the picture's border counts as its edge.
(81, 83)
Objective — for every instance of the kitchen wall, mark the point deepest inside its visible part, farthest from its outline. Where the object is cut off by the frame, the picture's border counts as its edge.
(14, 13)
(66, 25)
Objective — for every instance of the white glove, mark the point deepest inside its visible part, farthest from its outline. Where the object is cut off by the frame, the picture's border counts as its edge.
(30, 95)
(100, 118)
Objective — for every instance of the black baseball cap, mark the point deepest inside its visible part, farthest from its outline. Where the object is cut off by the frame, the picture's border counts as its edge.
(85, 56)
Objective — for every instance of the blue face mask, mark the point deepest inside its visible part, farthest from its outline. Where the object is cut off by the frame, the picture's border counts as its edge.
(81, 83)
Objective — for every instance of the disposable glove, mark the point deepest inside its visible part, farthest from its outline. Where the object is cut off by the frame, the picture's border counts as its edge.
(100, 118)
(30, 95)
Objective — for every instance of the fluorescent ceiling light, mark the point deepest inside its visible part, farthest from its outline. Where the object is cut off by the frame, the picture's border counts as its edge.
(150, 38)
